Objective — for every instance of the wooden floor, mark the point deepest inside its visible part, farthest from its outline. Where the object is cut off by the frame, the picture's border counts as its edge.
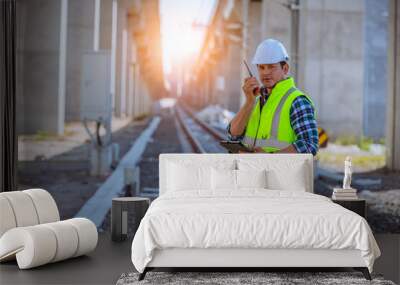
(103, 266)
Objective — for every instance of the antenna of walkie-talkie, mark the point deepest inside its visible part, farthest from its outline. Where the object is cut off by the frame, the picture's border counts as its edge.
(256, 89)
(248, 68)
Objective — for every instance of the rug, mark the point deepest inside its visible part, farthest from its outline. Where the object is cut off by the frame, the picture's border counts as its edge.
(243, 278)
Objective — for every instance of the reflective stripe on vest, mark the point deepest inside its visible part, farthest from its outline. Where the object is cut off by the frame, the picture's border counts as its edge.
(272, 141)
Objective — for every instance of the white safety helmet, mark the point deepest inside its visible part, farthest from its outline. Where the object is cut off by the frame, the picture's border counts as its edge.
(270, 51)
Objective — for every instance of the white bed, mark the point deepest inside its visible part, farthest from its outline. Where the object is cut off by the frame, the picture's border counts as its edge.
(216, 224)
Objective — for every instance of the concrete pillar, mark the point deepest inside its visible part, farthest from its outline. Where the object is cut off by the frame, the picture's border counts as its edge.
(120, 60)
(114, 39)
(141, 92)
(124, 73)
(286, 30)
(252, 19)
(62, 67)
(244, 52)
(234, 86)
(254, 29)
(207, 86)
(332, 63)
(302, 45)
(220, 85)
(106, 13)
(142, 99)
(271, 28)
(131, 77)
(131, 89)
(96, 24)
(147, 104)
(375, 67)
(42, 59)
(81, 32)
(393, 100)
(223, 71)
(138, 93)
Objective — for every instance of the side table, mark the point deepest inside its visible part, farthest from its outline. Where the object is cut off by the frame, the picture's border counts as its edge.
(358, 206)
(126, 214)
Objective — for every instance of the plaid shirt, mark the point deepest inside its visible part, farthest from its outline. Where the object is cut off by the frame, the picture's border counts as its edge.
(303, 123)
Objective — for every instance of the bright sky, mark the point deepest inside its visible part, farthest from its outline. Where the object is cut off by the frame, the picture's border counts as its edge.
(179, 39)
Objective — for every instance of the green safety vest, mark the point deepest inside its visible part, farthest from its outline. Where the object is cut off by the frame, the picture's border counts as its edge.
(270, 128)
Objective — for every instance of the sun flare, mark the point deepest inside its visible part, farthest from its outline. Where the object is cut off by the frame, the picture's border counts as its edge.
(183, 26)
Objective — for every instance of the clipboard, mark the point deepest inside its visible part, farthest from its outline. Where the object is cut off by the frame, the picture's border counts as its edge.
(235, 146)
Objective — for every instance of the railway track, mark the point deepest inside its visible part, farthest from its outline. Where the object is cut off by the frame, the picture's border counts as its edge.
(202, 137)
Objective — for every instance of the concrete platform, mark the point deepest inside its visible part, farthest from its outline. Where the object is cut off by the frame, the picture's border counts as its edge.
(102, 266)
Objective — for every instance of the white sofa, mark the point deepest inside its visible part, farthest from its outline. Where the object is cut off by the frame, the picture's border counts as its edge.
(31, 231)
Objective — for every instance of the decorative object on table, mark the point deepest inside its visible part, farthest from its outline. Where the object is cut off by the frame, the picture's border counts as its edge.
(127, 211)
(346, 192)
(31, 231)
(348, 171)
(357, 206)
(244, 278)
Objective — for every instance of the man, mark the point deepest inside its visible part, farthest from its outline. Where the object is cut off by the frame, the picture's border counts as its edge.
(277, 117)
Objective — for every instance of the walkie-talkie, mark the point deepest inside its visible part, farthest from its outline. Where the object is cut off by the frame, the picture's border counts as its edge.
(256, 90)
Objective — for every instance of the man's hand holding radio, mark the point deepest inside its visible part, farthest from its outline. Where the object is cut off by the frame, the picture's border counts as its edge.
(251, 89)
